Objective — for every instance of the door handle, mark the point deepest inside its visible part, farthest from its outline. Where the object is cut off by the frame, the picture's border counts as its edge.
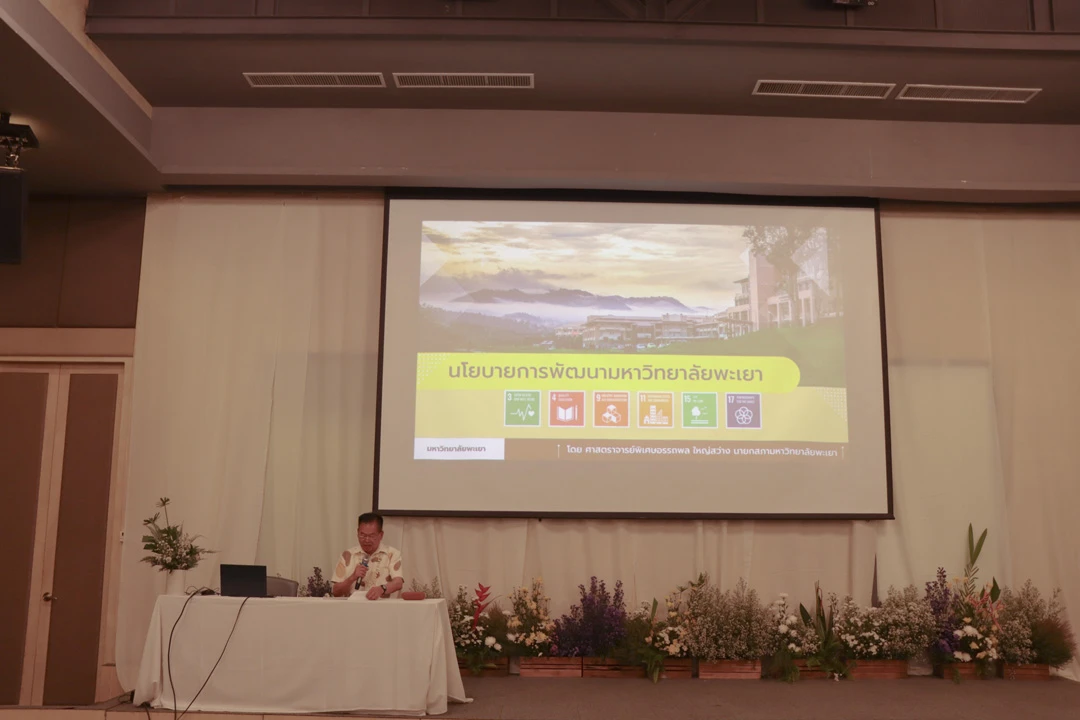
(48, 597)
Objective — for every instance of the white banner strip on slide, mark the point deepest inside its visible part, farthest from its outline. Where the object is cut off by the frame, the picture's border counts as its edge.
(458, 449)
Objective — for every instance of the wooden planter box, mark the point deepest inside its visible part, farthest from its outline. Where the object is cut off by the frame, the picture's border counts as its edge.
(677, 668)
(965, 671)
(592, 667)
(1034, 671)
(550, 667)
(879, 670)
(806, 673)
(501, 668)
(730, 670)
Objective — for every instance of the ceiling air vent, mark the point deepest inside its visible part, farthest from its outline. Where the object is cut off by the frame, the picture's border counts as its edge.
(511, 81)
(823, 89)
(968, 93)
(315, 80)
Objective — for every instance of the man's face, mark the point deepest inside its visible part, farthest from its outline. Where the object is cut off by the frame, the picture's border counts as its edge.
(369, 536)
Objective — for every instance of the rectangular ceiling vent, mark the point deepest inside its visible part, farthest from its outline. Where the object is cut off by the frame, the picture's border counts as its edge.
(968, 93)
(315, 80)
(469, 81)
(824, 89)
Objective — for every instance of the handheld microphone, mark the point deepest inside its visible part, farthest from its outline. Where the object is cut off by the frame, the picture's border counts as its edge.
(363, 562)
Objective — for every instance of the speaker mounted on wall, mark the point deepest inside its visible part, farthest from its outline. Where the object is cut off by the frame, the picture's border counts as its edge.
(13, 197)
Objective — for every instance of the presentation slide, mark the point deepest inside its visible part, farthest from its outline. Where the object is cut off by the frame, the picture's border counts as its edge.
(631, 359)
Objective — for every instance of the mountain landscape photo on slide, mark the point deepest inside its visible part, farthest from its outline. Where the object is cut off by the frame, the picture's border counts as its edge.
(510, 286)
(518, 285)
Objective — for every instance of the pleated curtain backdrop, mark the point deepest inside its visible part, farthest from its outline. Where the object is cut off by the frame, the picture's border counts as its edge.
(254, 411)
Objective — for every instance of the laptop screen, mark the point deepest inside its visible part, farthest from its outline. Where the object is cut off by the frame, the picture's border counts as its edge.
(243, 580)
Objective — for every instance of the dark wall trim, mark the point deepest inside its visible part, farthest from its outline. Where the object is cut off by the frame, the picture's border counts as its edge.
(945, 15)
(105, 27)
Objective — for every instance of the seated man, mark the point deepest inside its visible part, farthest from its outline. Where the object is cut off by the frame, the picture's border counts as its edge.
(370, 567)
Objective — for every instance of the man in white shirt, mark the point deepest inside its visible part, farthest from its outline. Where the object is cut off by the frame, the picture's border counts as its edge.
(370, 567)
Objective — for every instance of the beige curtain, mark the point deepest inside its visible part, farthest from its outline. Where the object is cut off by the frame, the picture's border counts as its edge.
(254, 404)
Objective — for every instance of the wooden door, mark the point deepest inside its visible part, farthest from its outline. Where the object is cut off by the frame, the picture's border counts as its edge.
(27, 419)
(65, 601)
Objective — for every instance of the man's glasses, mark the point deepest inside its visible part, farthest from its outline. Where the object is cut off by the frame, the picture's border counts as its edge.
(370, 537)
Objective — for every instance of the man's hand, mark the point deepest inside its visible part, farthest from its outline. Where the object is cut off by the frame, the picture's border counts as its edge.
(359, 573)
(375, 593)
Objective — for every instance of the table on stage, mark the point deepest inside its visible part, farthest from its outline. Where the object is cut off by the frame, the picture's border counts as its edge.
(301, 655)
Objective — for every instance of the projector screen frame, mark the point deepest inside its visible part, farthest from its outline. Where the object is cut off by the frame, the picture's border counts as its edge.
(638, 197)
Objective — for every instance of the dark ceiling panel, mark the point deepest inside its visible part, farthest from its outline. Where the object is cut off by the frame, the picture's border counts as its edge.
(719, 11)
(129, 8)
(804, 12)
(81, 151)
(602, 9)
(318, 8)
(905, 15)
(1000, 15)
(216, 8)
(1067, 15)
(693, 78)
(413, 8)
(520, 9)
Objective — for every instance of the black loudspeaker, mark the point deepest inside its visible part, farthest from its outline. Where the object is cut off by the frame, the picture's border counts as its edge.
(13, 195)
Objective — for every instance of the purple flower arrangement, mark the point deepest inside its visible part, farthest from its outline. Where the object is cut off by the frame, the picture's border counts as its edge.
(317, 585)
(595, 627)
(940, 597)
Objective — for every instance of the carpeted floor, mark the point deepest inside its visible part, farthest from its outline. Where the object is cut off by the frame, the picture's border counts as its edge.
(512, 698)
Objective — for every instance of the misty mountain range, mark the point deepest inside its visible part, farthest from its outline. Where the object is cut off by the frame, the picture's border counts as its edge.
(575, 299)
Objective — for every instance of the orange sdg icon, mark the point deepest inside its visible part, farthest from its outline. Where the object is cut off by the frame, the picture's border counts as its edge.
(566, 409)
(611, 409)
(655, 410)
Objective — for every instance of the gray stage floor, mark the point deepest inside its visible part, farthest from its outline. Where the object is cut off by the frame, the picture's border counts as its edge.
(924, 698)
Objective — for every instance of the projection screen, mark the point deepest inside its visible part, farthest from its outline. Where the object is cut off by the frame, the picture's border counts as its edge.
(631, 358)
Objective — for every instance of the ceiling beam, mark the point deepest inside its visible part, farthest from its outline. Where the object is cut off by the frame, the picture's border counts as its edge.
(960, 162)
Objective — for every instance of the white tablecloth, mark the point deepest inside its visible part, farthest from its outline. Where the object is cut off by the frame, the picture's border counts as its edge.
(302, 655)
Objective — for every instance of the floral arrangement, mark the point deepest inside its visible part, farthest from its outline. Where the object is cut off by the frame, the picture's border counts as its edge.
(317, 585)
(170, 547)
(829, 656)
(642, 644)
(700, 619)
(791, 640)
(529, 626)
(1033, 629)
(671, 634)
(595, 626)
(966, 620)
(431, 590)
(900, 629)
(939, 597)
(738, 627)
(469, 627)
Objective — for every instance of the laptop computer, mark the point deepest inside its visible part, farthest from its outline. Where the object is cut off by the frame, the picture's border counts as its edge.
(243, 580)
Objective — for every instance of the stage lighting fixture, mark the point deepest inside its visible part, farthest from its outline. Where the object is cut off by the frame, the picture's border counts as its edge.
(13, 140)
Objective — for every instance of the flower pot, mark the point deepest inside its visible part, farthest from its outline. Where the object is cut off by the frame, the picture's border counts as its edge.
(676, 668)
(958, 671)
(500, 667)
(608, 668)
(1027, 671)
(550, 667)
(808, 673)
(175, 582)
(879, 670)
(729, 670)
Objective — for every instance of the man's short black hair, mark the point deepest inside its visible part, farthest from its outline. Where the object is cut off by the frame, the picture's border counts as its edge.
(370, 518)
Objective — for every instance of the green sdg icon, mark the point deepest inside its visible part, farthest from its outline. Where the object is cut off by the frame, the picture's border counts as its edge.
(521, 408)
(699, 410)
